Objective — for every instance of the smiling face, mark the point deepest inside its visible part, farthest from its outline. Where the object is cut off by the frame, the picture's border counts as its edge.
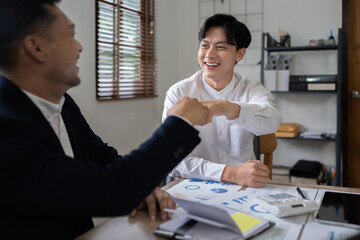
(63, 51)
(217, 58)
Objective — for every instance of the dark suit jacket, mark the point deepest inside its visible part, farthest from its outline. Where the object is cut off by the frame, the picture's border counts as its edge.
(47, 195)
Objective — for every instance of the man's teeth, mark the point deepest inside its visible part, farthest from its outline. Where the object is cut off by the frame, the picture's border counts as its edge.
(212, 64)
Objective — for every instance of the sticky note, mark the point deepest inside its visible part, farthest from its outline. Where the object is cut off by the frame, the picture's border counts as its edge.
(245, 222)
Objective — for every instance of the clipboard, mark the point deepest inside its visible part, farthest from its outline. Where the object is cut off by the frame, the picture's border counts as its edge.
(215, 222)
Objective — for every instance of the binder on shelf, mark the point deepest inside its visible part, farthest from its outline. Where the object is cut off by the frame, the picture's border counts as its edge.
(214, 222)
(312, 83)
(321, 87)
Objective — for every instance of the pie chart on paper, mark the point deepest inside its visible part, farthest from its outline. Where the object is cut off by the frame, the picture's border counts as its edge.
(219, 190)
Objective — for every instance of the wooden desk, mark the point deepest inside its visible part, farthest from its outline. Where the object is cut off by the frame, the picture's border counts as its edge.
(142, 228)
(125, 227)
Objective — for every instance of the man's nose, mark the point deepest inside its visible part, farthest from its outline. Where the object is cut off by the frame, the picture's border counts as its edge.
(211, 52)
(80, 46)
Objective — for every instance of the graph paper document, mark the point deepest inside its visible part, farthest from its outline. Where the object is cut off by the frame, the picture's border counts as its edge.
(228, 195)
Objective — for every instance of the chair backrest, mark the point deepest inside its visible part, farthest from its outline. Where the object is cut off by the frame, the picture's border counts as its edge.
(267, 145)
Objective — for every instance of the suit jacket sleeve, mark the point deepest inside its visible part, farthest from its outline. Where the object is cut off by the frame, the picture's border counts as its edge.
(37, 177)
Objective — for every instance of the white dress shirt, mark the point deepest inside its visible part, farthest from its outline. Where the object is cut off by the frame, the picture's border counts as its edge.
(224, 142)
(52, 113)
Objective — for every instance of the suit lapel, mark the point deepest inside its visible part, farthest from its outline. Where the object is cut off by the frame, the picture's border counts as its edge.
(11, 95)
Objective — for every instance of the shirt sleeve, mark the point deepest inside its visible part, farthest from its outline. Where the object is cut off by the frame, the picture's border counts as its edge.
(170, 99)
(191, 166)
(198, 168)
(259, 115)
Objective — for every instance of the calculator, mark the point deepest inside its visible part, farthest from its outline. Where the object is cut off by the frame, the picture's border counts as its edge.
(284, 204)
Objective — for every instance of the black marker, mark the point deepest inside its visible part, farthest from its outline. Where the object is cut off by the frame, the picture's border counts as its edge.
(298, 190)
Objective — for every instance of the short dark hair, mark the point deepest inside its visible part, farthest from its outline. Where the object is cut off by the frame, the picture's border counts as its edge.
(19, 18)
(236, 32)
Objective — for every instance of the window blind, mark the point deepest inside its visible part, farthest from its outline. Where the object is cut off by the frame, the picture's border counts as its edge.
(125, 49)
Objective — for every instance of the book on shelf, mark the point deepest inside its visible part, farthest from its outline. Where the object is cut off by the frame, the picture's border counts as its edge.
(281, 174)
(288, 130)
(281, 170)
(286, 134)
(209, 221)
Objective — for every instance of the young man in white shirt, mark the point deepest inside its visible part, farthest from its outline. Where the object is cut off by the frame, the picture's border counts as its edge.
(242, 108)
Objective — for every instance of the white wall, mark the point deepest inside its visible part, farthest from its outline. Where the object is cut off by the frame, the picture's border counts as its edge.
(304, 20)
(125, 124)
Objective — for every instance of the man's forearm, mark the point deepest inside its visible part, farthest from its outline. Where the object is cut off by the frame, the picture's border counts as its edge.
(232, 110)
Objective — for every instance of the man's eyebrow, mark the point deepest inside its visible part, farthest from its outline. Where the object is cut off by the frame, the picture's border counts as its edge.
(219, 42)
(222, 42)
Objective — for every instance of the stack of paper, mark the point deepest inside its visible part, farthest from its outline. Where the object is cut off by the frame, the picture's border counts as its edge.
(318, 134)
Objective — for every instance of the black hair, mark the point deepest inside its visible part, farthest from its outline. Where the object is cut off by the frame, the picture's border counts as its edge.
(236, 32)
(19, 18)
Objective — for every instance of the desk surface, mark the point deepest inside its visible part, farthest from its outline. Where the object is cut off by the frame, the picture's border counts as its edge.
(141, 227)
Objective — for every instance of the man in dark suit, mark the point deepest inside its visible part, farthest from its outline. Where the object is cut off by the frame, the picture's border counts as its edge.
(55, 172)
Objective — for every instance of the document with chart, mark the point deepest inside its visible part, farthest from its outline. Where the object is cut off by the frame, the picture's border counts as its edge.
(230, 196)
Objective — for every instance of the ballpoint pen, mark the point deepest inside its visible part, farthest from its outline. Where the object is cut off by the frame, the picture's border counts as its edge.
(301, 193)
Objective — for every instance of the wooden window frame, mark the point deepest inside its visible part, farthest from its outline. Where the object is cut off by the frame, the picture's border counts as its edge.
(114, 57)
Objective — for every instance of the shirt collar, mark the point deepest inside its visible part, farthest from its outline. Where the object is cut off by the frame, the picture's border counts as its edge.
(223, 92)
(47, 108)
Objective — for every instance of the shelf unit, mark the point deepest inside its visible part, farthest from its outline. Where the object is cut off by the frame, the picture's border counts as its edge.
(311, 139)
(337, 140)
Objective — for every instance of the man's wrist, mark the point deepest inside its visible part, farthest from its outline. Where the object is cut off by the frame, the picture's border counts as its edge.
(183, 118)
(226, 174)
(233, 111)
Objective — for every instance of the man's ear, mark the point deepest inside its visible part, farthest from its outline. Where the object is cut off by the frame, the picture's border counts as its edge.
(34, 46)
(240, 54)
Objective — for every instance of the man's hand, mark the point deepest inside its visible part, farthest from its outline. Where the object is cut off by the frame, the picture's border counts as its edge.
(222, 107)
(164, 200)
(191, 109)
(251, 174)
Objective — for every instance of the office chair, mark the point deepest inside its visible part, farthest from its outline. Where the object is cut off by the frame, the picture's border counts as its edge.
(265, 144)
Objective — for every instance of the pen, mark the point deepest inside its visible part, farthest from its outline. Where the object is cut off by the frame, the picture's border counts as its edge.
(169, 234)
(301, 193)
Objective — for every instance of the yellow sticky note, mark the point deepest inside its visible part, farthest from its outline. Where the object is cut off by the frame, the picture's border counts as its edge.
(245, 222)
